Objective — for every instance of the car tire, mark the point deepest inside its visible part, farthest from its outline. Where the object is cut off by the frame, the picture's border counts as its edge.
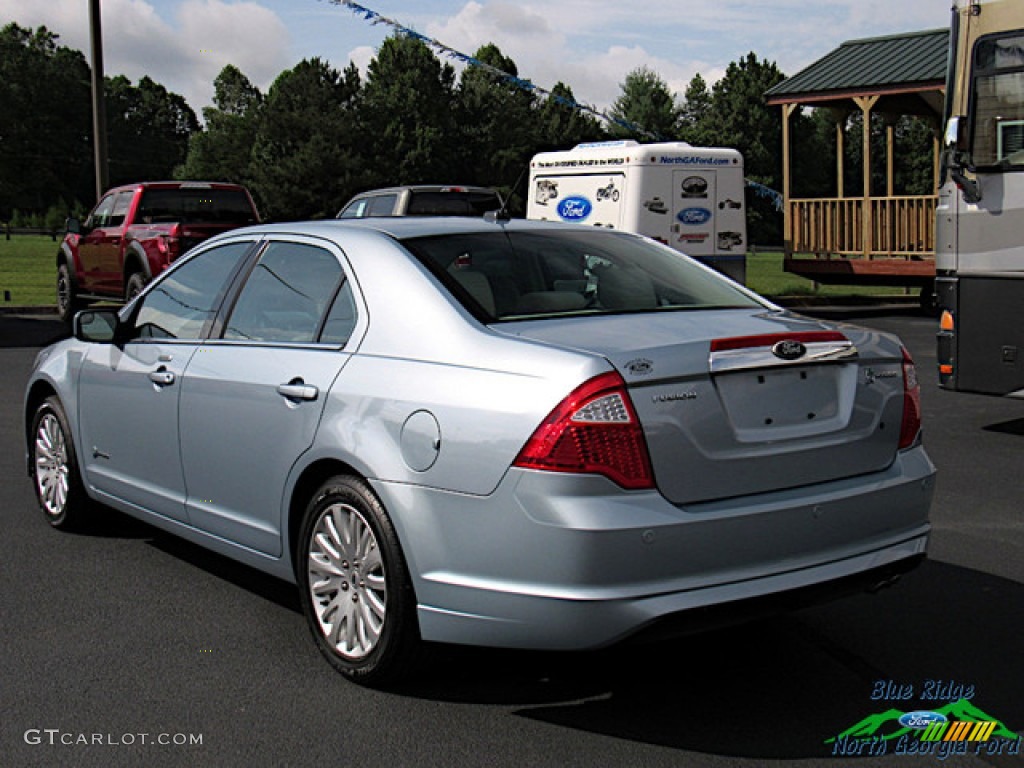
(56, 477)
(354, 581)
(68, 302)
(134, 285)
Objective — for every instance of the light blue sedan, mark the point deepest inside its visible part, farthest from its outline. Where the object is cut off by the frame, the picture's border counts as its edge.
(488, 432)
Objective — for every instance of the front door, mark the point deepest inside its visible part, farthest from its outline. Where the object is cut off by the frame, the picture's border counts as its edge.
(129, 393)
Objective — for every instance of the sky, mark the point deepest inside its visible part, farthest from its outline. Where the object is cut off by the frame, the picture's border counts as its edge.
(591, 45)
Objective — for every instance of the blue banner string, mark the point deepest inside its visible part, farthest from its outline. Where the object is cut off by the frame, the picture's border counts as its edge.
(375, 18)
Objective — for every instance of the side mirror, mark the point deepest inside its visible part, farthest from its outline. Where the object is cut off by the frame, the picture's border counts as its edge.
(73, 226)
(955, 137)
(99, 326)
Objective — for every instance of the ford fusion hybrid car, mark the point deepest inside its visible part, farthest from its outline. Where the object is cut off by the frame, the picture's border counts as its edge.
(502, 433)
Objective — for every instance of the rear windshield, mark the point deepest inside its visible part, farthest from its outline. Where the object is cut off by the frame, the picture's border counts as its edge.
(453, 203)
(196, 206)
(522, 275)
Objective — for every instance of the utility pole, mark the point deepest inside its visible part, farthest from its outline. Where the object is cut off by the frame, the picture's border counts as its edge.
(99, 110)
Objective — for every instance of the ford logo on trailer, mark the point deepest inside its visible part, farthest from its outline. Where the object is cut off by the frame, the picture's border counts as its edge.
(574, 208)
(694, 216)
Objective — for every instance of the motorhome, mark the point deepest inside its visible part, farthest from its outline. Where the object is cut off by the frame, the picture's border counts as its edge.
(979, 259)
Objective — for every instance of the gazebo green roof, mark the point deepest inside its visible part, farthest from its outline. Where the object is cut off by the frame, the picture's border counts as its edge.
(877, 65)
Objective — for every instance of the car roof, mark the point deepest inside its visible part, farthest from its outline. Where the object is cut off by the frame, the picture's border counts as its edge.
(175, 185)
(424, 188)
(402, 227)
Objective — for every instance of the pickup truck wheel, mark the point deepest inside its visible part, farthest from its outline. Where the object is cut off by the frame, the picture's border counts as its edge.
(132, 288)
(55, 473)
(68, 302)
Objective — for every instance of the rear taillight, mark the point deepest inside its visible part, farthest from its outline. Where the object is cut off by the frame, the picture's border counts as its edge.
(911, 425)
(594, 430)
(169, 245)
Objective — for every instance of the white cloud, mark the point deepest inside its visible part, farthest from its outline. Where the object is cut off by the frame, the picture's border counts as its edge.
(361, 57)
(184, 53)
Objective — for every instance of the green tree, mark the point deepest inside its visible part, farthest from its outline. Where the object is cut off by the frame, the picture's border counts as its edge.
(647, 102)
(562, 126)
(407, 114)
(305, 158)
(495, 127)
(45, 124)
(222, 151)
(696, 106)
(738, 117)
(148, 130)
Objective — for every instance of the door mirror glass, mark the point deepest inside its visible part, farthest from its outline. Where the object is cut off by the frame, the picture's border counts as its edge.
(96, 325)
(954, 138)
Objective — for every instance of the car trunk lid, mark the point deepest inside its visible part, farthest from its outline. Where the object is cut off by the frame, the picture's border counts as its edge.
(735, 402)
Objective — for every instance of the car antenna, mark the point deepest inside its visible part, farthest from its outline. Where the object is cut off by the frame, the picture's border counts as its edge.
(502, 214)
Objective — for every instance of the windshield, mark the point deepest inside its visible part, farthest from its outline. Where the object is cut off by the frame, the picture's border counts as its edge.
(522, 275)
(452, 203)
(998, 114)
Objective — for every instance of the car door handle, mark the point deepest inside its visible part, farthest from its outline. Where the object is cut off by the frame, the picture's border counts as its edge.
(161, 377)
(297, 390)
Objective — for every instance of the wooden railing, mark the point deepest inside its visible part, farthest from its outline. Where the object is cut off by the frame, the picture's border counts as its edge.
(900, 226)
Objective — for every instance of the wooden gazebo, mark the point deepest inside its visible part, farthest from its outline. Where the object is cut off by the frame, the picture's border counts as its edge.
(885, 240)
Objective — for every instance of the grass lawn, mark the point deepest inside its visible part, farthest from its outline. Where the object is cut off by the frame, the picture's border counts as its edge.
(28, 272)
(765, 275)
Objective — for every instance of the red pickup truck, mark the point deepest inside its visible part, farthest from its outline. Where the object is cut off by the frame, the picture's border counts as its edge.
(136, 231)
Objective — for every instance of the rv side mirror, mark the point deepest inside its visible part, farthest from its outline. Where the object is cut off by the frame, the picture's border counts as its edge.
(955, 137)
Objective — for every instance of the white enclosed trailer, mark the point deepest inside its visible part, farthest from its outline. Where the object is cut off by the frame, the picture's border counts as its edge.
(690, 198)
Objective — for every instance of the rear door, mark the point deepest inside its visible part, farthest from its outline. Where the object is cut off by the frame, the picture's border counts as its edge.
(252, 400)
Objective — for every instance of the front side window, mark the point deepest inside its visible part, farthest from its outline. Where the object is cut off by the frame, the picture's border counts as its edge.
(998, 97)
(523, 275)
(182, 304)
(286, 296)
(100, 214)
(354, 210)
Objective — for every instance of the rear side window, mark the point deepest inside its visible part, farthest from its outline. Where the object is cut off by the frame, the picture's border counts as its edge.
(286, 296)
(381, 205)
(196, 205)
(122, 203)
(522, 275)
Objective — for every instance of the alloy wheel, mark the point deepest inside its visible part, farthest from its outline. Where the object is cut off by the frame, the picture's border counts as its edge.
(347, 581)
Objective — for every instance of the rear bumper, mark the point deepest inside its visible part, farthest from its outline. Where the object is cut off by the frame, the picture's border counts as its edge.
(566, 562)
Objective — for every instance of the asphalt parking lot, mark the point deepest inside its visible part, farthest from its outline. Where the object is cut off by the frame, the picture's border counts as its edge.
(125, 638)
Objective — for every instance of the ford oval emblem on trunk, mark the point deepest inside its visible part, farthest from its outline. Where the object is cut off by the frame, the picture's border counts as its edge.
(788, 349)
